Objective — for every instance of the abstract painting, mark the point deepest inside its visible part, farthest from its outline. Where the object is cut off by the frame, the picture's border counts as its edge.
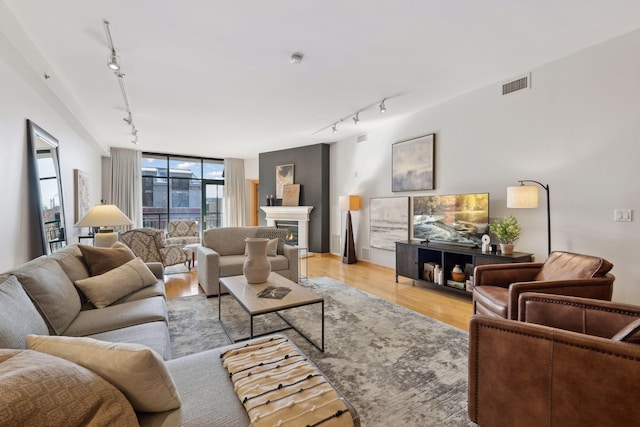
(389, 222)
(284, 176)
(413, 164)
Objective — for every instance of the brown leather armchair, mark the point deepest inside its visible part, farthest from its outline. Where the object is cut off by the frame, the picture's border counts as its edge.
(569, 362)
(498, 286)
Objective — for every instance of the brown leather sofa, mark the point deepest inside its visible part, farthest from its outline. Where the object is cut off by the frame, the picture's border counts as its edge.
(498, 286)
(569, 362)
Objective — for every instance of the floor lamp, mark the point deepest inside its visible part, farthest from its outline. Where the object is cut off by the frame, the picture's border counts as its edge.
(104, 216)
(349, 203)
(526, 196)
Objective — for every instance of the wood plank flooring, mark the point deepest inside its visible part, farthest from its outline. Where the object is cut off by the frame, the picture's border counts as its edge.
(442, 304)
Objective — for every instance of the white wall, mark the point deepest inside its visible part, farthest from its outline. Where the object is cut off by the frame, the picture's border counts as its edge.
(577, 129)
(21, 100)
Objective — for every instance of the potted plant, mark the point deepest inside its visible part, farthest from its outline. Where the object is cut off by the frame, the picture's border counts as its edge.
(507, 231)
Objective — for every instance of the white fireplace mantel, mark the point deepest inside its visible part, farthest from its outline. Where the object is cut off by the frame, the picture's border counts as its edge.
(291, 213)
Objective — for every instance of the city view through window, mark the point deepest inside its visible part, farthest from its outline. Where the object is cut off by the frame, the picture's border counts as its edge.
(176, 188)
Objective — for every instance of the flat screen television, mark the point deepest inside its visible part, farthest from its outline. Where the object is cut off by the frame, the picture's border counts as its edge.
(458, 219)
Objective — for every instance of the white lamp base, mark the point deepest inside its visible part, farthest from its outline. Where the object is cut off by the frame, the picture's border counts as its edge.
(105, 240)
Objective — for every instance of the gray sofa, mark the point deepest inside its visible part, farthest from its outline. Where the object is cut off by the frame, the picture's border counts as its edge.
(222, 255)
(45, 302)
(39, 298)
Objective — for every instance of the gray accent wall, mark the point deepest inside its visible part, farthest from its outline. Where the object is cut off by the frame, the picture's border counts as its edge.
(311, 171)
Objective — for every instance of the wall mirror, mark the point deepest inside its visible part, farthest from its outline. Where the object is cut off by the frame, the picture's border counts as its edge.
(45, 188)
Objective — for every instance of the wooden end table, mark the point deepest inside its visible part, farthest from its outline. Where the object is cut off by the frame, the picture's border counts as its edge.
(247, 296)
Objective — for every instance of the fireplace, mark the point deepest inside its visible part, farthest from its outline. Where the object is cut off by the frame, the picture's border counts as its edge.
(292, 229)
(291, 214)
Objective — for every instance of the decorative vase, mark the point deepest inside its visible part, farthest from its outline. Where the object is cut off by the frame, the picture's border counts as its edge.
(457, 274)
(506, 248)
(256, 267)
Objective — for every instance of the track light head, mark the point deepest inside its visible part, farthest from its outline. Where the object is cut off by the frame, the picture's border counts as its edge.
(334, 128)
(113, 61)
(128, 119)
(134, 131)
(356, 119)
(383, 108)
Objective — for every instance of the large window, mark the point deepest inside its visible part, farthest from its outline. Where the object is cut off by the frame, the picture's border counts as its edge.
(182, 188)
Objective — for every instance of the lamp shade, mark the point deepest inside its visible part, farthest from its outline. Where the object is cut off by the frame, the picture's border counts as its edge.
(349, 203)
(522, 196)
(104, 216)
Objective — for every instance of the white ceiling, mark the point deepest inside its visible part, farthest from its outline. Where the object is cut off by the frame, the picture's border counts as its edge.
(213, 77)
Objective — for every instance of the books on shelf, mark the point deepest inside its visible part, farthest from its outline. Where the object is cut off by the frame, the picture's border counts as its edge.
(455, 284)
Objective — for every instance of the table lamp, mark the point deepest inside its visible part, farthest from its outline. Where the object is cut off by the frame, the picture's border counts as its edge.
(104, 216)
(349, 203)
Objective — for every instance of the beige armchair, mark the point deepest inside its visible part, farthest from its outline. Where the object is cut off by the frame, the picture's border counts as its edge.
(498, 286)
(149, 244)
(182, 233)
(568, 362)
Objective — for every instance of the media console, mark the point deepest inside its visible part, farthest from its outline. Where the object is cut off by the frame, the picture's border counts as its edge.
(411, 258)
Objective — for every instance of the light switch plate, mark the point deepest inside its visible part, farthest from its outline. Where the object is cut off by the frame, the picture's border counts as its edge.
(623, 215)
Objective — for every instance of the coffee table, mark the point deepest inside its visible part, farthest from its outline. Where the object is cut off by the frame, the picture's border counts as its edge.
(247, 296)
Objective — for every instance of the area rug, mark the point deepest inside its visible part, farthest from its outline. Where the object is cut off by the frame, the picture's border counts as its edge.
(397, 367)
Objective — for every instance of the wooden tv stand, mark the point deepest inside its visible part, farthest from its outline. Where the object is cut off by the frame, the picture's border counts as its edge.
(412, 256)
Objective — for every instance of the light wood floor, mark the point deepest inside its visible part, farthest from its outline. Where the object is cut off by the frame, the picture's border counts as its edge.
(442, 304)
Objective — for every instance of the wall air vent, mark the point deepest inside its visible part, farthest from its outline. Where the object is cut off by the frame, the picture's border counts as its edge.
(365, 254)
(362, 138)
(335, 244)
(520, 83)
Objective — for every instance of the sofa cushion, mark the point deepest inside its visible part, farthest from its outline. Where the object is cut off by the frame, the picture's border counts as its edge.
(271, 248)
(101, 260)
(138, 371)
(154, 335)
(106, 288)
(18, 315)
(569, 266)
(231, 265)
(228, 240)
(274, 233)
(51, 290)
(42, 390)
(72, 262)
(113, 317)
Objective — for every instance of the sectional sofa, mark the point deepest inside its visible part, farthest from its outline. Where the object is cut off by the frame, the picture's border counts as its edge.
(65, 362)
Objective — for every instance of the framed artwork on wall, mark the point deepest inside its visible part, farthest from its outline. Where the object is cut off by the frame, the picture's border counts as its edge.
(81, 189)
(389, 221)
(284, 176)
(413, 164)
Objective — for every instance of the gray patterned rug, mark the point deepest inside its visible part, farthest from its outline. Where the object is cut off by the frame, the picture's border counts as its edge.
(397, 367)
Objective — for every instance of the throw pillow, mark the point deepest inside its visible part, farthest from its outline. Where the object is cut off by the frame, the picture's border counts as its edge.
(138, 371)
(272, 248)
(18, 315)
(101, 260)
(272, 233)
(630, 333)
(42, 390)
(107, 288)
(51, 291)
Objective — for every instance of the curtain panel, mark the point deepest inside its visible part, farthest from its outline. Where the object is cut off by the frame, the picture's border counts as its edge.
(126, 183)
(234, 193)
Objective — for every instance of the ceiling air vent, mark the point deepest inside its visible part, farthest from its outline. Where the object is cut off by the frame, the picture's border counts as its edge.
(517, 84)
(362, 138)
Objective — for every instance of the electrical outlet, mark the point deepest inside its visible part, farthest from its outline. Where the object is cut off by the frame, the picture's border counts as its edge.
(623, 215)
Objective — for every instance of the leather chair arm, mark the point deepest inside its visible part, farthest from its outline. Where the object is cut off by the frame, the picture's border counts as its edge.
(584, 315)
(596, 288)
(505, 274)
(547, 376)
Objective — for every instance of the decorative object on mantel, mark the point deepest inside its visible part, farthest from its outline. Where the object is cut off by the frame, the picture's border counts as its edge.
(256, 267)
(413, 164)
(389, 221)
(104, 216)
(271, 200)
(526, 196)
(291, 195)
(507, 231)
(349, 203)
(284, 176)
